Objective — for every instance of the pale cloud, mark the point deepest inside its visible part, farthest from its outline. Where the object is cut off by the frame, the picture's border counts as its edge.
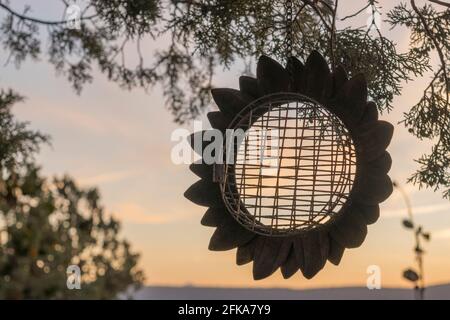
(442, 234)
(134, 213)
(107, 177)
(418, 210)
(70, 117)
(409, 189)
(75, 118)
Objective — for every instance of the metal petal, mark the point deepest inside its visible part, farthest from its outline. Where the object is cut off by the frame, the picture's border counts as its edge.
(270, 253)
(271, 75)
(349, 231)
(265, 256)
(373, 184)
(249, 86)
(298, 251)
(351, 100)
(214, 216)
(297, 71)
(316, 71)
(328, 90)
(229, 235)
(290, 267)
(246, 252)
(197, 142)
(316, 248)
(372, 189)
(218, 120)
(370, 213)
(370, 114)
(381, 165)
(336, 252)
(202, 170)
(340, 77)
(373, 141)
(204, 193)
(230, 101)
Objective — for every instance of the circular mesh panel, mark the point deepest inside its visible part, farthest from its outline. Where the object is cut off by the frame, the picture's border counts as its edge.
(290, 165)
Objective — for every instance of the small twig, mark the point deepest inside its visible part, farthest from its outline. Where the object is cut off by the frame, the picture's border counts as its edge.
(313, 5)
(333, 37)
(138, 48)
(299, 11)
(40, 21)
(419, 253)
(436, 44)
(326, 4)
(356, 13)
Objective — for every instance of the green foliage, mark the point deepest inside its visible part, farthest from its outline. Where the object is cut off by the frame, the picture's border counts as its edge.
(17, 143)
(47, 225)
(51, 225)
(194, 39)
(18, 37)
(133, 17)
(380, 62)
(430, 117)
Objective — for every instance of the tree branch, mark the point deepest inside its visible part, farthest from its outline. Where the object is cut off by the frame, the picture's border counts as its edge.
(436, 44)
(313, 5)
(356, 13)
(36, 20)
(442, 3)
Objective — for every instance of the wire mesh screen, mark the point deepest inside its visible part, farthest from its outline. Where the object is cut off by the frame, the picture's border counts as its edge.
(292, 170)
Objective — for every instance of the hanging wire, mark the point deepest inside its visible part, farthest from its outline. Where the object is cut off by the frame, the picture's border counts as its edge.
(289, 36)
(333, 37)
(289, 39)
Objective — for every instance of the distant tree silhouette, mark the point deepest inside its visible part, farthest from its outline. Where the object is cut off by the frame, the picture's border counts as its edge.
(196, 38)
(47, 225)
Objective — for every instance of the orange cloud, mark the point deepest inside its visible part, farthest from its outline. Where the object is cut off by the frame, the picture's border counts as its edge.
(107, 177)
(134, 213)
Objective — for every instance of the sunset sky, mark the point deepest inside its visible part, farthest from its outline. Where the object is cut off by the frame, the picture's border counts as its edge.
(120, 141)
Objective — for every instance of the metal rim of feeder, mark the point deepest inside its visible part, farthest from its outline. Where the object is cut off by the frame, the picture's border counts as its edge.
(304, 182)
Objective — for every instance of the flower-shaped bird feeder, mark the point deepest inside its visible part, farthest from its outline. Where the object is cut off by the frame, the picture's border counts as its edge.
(308, 175)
